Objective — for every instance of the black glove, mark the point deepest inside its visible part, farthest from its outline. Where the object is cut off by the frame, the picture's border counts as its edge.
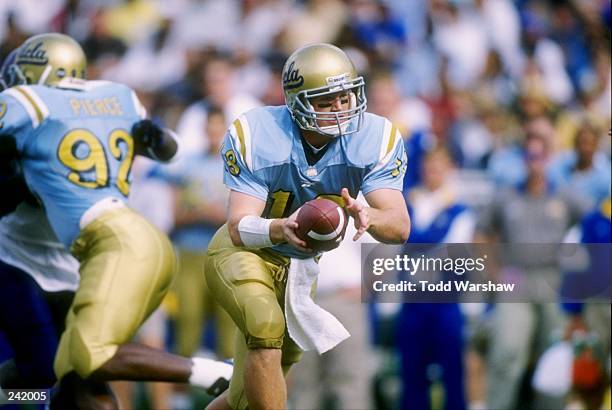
(147, 134)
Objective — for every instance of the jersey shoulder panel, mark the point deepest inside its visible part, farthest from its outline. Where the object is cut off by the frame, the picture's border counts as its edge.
(91, 98)
(376, 141)
(31, 103)
(264, 136)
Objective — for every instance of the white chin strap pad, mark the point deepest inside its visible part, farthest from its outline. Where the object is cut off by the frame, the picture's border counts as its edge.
(334, 129)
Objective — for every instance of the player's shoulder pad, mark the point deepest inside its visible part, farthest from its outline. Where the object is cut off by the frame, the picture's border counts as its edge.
(263, 136)
(29, 97)
(375, 142)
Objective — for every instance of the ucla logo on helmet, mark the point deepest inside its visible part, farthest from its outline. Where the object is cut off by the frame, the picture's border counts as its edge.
(292, 77)
(33, 55)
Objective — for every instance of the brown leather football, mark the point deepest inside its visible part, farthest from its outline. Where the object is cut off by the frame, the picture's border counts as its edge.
(321, 224)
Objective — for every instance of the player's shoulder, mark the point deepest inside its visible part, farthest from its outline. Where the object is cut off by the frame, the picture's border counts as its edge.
(377, 139)
(264, 135)
(25, 101)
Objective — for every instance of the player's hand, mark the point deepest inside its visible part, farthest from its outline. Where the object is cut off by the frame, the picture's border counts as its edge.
(358, 211)
(288, 227)
(147, 134)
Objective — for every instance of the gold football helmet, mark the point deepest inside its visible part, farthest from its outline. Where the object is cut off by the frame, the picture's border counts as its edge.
(48, 59)
(317, 70)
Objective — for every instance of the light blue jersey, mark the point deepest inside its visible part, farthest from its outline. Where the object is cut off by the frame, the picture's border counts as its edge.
(264, 157)
(75, 145)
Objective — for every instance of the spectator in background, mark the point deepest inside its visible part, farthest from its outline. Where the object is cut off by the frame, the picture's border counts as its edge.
(544, 62)
(314, 21)
(220, 87)
(160, 52)
(409, 115)
(200, 203)
(585, 171)
(133, 20)
(101, 48)
(430, 334)
(469, 140)
(532, 213)
(590, 321)
(507, 166)
(592, 104)
(502, 23)
(12, 36)
(460, 37)
(382, 35)
(495, 84)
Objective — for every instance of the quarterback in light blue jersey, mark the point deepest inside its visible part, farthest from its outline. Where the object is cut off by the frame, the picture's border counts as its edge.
(268, 159)
(76, 141)
(321, 143)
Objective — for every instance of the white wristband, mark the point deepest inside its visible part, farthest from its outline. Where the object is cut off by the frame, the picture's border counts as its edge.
(255, 231)
(205, 372)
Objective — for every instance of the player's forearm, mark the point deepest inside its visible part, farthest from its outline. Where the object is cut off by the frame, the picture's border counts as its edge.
(389, 225)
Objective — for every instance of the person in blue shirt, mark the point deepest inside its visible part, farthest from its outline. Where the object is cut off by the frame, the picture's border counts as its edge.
(76, 140)
(321, 143)
(430, 335)
(585, 171)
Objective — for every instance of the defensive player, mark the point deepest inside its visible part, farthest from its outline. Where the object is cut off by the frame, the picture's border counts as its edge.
(33, 304)
(277, 158)
(76, 140)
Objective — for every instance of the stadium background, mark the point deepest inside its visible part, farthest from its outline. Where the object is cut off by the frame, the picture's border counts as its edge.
(475, 77)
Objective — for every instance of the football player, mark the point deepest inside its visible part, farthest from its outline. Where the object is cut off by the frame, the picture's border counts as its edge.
(33, 304)
(76, 140)
(276, 158)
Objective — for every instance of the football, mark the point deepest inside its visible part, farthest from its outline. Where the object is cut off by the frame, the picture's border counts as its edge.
(321, 224)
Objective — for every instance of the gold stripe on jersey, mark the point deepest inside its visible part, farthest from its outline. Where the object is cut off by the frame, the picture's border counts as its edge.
(392, 137)
(240, 132)
(38, 110)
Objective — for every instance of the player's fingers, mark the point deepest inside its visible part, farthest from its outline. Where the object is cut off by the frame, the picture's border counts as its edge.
(364, 219)
(348, 201)
(293, 239)
(298, 243)
(359, 233)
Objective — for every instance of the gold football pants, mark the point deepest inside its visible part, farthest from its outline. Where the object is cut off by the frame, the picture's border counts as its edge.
(250, 285)
(126, 268)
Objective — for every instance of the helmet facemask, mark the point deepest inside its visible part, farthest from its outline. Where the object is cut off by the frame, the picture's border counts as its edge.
(344, 122)
(10, 74)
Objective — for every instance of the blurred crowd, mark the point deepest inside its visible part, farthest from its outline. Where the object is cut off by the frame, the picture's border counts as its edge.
(505, 109)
